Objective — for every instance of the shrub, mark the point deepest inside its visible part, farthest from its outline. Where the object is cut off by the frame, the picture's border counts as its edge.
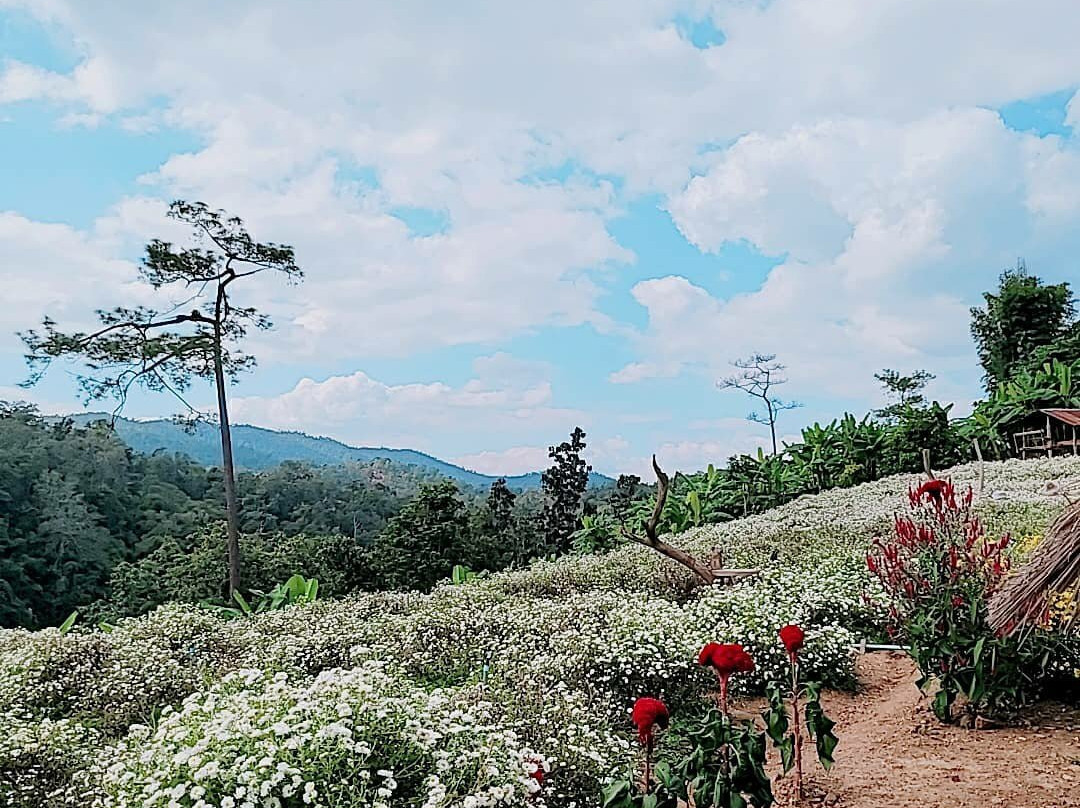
(939, 568)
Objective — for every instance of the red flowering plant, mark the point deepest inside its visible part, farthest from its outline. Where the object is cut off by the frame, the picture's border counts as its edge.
(649, 715)
(818, 725)
(658, 786)
(938, 570)
(725, 765)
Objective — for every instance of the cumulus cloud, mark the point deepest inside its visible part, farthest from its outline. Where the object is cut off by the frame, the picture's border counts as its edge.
(857, 140)
(505, 400)
(919, 217)
(512, 461)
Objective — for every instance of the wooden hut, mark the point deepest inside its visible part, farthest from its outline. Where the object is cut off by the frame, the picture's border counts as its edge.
(1048, 432)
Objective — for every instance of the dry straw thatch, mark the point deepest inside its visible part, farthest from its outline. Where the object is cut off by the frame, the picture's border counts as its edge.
(1053, 569)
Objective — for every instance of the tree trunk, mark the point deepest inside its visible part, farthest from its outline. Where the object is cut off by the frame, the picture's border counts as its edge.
(232, 509)
(772, 423)
(694, 564)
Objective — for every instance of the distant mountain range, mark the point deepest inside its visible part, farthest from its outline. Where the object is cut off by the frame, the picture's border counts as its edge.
(255, 448)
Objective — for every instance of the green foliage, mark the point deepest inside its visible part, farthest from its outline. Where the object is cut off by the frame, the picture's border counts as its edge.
(725, 768)
(1049, 385)
(1022, 321)
(819, 725)
(423, 542)
(902, 390)
(461, 575)
(842, 453)
(69, 623)
(295, 591)
(919, 428)
(726, 765)
(193, 572)
(939, 569)
(164, 351)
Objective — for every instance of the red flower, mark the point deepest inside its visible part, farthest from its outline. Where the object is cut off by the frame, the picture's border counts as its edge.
(726, 659)
(536, 764)
(932, 490)
(648, 714)
(793, 638)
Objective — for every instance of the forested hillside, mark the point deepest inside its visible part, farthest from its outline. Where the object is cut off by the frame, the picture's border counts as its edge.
(86, 522)
(256, 449)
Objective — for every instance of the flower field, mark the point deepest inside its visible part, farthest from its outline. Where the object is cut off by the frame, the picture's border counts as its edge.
(513, 689)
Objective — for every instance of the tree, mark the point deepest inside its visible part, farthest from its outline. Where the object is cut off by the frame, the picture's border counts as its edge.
(165, 350)
(79, 552)
(758, 375)
(421, 545)
(919, 428)
(902, 391)
(500, 506)
(1020, 322)
(564, 485)
(623, 496)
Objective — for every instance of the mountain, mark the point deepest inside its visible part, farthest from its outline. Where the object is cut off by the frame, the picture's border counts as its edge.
(256, 448)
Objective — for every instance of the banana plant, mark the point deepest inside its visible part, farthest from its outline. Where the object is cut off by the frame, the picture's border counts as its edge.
(296, 590)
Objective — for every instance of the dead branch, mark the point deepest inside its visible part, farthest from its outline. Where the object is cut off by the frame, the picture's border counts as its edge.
(652, 539)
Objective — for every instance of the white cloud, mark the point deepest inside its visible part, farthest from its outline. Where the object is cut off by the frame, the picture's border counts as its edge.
(920, 216)
(57, 270)
(452, 113)
(512, 461)
(506, 400)
(734, 436)
(859, 148)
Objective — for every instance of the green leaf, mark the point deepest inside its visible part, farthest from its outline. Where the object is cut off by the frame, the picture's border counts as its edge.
(245, 607)
(65, 627)
(941, 704)
(820, 726)
(616, 794)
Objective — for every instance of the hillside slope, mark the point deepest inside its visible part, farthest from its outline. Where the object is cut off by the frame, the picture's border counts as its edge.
(513, 671)
(256, 448)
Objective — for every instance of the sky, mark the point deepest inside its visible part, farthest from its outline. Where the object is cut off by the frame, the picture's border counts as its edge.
(516, 218)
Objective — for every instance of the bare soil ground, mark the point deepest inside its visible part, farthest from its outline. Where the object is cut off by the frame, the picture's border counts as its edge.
(894, 754)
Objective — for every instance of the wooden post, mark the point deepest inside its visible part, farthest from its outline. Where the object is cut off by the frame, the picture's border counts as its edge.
(926, 463)
(1074, 439)
(1049, 439)
(982, 470)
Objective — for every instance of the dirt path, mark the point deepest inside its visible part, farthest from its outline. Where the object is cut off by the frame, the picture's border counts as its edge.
(894, 754)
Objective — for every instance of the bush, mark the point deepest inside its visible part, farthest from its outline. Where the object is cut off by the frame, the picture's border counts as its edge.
(939, 569)
(195, 571)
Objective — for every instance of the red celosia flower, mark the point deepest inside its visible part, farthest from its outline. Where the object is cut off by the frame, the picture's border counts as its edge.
(648, 714)
(538, 774)
(726, 659)
(793, 638)
(932, 490)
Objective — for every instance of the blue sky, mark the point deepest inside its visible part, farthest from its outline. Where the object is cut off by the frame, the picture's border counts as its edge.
(582, 224)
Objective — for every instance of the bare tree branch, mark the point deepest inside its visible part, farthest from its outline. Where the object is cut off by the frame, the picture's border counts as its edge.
(651, 538)
(760, 373)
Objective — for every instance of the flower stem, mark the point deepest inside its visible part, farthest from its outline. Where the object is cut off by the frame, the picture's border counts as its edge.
(796, 722)
(725, 758)
(648, 764)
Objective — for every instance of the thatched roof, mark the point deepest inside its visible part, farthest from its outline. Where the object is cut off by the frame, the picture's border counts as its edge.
(1054, 568)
